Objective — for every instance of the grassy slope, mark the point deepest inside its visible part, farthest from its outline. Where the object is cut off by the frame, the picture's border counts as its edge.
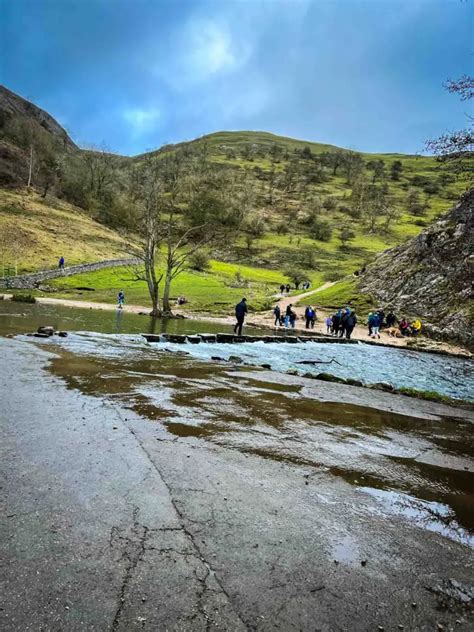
(213, 291)
(51, 228)
(274, 251)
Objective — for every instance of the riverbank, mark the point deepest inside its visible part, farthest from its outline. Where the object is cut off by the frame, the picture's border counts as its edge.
(210, 502)
(266, 320)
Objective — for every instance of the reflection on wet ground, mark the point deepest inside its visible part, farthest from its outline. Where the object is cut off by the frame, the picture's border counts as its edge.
(416, 468)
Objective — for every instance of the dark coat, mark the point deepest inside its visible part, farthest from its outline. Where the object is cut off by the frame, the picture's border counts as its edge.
(241, 310)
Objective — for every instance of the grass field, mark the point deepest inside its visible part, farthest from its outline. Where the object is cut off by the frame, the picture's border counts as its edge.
(214, 292)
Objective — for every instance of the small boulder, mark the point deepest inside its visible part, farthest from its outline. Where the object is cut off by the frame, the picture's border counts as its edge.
(383, 386)
(236, 359)
(62, 334)
(48, 330)
(329, 377)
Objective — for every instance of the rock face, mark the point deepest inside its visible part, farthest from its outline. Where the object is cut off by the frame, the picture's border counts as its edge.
(12, 104)
(431, 275)
(13, 155)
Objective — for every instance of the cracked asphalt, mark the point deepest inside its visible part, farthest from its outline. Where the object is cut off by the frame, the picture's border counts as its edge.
(109, 522)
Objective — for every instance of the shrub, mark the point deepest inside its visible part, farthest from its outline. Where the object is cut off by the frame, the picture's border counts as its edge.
(321, 230)
(24, 298)
(349, 210)
(330, 204)
(199, 261)
(334, 275)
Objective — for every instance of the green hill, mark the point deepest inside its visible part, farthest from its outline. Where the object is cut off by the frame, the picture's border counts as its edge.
(301, 196)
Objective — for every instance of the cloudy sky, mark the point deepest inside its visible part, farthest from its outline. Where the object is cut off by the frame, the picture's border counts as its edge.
(135, 74)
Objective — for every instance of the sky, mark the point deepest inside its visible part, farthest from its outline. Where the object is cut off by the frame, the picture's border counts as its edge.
(132, 75)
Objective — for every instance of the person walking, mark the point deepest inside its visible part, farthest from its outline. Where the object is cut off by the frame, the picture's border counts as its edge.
(343, 324)
(120, 299)
(336, 322)
(369, 322)
(288, 288)
(61, 263)
(292, 318)
(351, 321)
(240, 312)
(328, 324)
(282, 288)
(277, 314)
(310, 316)
(288, 315)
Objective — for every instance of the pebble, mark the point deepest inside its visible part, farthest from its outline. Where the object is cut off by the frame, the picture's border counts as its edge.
(414, 604)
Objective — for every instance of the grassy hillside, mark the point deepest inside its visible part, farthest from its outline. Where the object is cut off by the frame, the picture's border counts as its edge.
(216, 291)
(249, 155)
(292, 183)
(34, 233)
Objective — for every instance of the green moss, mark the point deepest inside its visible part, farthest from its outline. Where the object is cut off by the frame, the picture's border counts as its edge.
(433, 396)
(19, 297)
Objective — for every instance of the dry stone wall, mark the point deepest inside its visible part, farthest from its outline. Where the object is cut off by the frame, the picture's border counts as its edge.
(35, 279)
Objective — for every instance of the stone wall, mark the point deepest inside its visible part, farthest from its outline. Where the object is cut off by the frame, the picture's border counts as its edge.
(34, 279)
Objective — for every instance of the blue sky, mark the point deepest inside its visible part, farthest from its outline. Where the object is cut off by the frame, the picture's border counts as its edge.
(135, 74)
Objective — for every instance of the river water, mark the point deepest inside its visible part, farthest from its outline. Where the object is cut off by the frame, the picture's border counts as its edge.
(446, 375)
(418, 469)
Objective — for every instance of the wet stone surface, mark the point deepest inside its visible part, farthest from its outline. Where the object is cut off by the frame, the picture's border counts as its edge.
(157, 490)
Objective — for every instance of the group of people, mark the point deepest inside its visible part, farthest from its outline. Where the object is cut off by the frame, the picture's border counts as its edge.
(377, 320)
(288, 319)
(287, 288)
(341, 324)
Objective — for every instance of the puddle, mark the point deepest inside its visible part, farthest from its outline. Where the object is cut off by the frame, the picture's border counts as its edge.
(418, 469)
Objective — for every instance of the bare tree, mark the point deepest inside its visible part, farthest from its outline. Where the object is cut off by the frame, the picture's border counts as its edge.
(147, 193)
(456, 147)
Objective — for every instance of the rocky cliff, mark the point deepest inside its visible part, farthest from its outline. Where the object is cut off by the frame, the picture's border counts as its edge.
(21, 121)
(12, 105)
(431, 276)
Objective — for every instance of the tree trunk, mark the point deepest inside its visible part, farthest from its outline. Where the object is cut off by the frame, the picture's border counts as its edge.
(166, 294)
(30, 168)
(152, 282)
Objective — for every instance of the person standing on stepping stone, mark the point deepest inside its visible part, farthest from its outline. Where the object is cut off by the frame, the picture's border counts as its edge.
(240, 312)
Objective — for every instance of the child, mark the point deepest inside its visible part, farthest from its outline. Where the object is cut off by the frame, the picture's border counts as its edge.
(120, 299)
(328, 324)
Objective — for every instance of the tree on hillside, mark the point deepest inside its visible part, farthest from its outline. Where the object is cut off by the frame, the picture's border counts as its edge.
(41, 150)
(346, 235)
(353, 166)
(333, 159)
(378, 169)
(321, 230)
(414, 204)
(456, 147)
(396, 170)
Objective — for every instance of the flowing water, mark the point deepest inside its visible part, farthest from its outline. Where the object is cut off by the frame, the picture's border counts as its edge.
(419, 469)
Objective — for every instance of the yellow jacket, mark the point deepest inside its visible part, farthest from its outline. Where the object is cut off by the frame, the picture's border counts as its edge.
(416, 324)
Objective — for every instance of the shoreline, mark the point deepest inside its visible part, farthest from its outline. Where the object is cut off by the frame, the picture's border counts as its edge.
(265, 320)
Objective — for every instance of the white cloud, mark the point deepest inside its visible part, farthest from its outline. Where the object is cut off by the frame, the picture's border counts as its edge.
(141, 120)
